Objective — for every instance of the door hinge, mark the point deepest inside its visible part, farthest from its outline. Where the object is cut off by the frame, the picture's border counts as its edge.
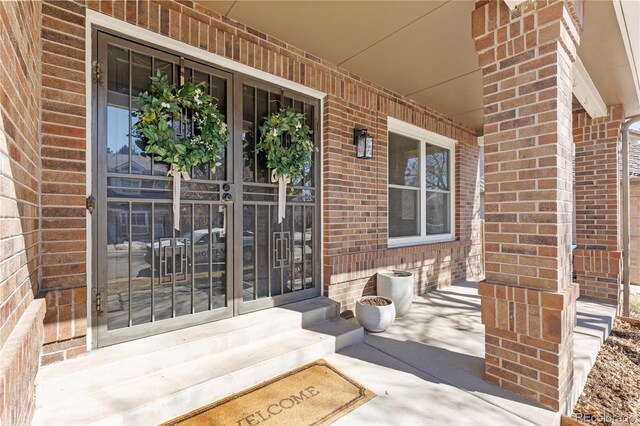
(96, 73)
(91, 203)
(99, 303)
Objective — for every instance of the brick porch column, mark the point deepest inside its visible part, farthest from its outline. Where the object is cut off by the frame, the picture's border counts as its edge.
(598, 255)
(528, 299)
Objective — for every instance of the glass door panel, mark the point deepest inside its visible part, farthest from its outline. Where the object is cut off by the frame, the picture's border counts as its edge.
(162, 269)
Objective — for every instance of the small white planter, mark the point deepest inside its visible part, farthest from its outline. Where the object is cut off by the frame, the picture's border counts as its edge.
(375, 318)
(398, 286)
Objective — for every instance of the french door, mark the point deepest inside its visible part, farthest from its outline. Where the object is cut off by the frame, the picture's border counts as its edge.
(230, 255)
(284, 263)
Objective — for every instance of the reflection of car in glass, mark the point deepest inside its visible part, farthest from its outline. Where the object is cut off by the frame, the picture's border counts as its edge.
(200, 249)
(247, 246)
(201, 246)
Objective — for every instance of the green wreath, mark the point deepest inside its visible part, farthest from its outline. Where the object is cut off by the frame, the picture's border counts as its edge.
(165, 105)
(286, 140)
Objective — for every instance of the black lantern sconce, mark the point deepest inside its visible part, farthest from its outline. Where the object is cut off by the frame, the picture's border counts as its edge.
(363, 143)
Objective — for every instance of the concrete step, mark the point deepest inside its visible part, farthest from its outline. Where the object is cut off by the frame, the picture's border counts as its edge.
(105, 388)
(168, 393)
(142, 356)
(314, 310)
(346, 332)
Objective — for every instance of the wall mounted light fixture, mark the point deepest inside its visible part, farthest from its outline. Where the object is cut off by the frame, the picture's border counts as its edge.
(363, 143)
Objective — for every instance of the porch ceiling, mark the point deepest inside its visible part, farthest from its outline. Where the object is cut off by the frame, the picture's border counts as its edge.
(423, 49)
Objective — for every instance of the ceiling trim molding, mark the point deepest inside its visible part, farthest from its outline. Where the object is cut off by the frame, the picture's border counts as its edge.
(513, 3)
(631, 45)
(586, 91)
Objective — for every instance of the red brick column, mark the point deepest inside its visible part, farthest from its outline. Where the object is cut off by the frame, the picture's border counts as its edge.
(598, 255)
(21, 314)
(528, 299)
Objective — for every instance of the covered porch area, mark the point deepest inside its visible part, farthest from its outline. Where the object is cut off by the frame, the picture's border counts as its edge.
(428, 368)
(530, 97)
(435, 355)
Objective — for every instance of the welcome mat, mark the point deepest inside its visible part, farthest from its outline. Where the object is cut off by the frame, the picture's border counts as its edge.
(314, 394)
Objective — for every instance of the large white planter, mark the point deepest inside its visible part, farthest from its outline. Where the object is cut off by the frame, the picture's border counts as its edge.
(375, 318)
(397, 286)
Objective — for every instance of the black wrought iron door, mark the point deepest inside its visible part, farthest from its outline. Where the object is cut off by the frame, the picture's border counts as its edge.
(230, 254)
(278, 262)
(150, 276)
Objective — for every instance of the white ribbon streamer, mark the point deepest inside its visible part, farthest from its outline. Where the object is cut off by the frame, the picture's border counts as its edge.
(176, 193)
(282, 193)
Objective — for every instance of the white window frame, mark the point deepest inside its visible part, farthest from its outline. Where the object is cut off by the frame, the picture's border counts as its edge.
(424, 136)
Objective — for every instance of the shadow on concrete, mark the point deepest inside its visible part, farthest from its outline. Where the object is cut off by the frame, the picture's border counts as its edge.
(597, 325)
(441, 365)
(441, 341)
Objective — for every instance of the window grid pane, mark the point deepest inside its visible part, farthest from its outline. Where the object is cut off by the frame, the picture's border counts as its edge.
(404, 161)
(437, 209)
(404, 212)
(420, 199)
(437, 167)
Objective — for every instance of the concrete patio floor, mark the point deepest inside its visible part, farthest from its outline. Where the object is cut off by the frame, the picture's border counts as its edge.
(428, 367)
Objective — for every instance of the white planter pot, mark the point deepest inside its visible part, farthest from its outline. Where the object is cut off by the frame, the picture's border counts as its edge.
(375, 318)
(397, 286)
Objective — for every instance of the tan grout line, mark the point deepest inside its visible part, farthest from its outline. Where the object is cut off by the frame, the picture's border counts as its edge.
(392, 33)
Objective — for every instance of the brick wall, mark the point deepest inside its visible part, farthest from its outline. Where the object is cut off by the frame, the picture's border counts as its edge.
(634, 188)
(64, 239)
(20, 160)
(355, 194)
(528, 299)
(20, 314)
(355, 200)
(597, 193)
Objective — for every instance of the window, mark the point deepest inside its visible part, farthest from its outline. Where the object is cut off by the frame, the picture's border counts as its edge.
(421, 185)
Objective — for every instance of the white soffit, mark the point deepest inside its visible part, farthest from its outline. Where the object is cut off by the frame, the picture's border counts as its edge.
(628, 15)
(586, 92)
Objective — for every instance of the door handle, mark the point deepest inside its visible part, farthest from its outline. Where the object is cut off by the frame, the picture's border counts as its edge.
(227, 198)
(223, 209)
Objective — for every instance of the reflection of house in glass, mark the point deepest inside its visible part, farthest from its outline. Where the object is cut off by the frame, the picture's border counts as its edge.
(122, 163)
(118, 224)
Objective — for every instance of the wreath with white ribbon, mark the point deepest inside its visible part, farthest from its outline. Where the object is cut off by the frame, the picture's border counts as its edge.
(182, 127)
(286, 140)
